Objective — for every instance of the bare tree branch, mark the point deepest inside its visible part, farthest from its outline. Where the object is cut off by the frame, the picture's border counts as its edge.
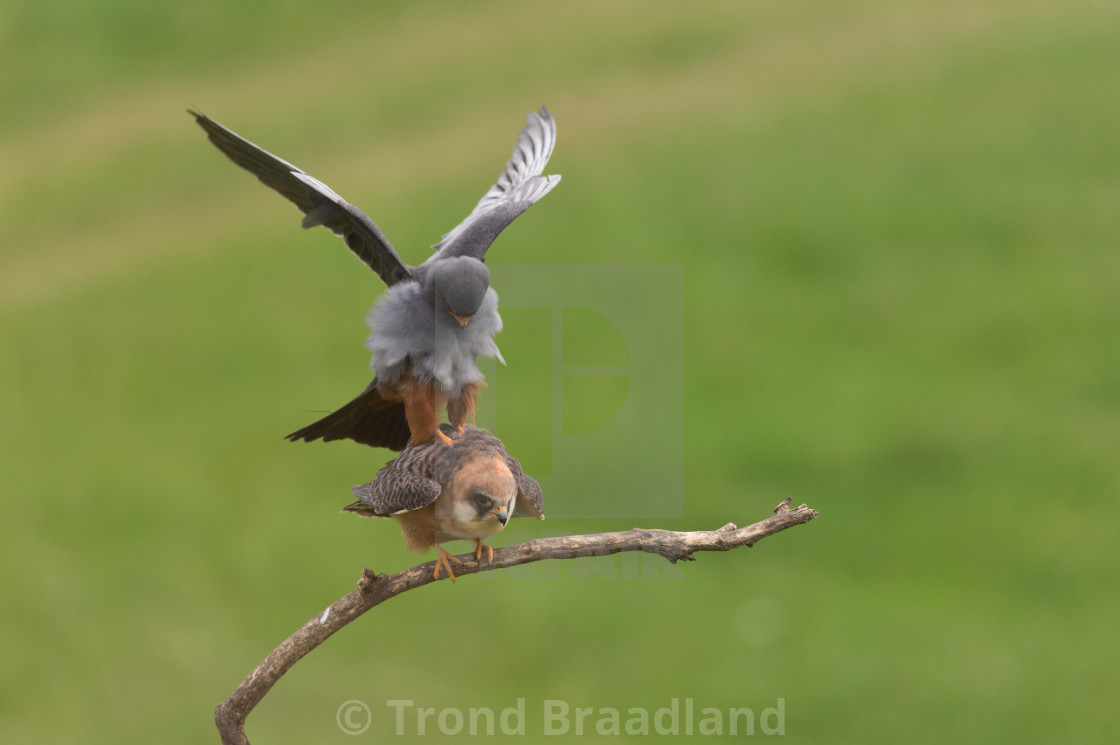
(374, 589)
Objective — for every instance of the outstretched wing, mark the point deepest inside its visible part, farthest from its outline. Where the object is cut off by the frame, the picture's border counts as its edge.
(320, 205)
(519, 186)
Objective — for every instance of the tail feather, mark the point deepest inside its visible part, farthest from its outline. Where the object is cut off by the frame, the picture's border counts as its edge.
(370, 419)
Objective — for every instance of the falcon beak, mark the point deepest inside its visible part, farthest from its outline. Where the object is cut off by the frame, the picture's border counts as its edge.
(463, 320)
(502, 515)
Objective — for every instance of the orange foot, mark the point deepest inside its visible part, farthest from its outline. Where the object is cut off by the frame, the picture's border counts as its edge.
(479, 545)
(443, 559)
(446, 440)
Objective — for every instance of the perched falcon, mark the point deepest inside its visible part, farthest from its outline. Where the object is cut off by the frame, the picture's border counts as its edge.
(438, 494)
(436, 318)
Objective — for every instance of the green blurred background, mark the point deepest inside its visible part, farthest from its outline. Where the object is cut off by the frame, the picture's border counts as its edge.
(896, 225)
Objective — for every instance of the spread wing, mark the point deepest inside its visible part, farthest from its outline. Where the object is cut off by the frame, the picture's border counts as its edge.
(320, 205)
(519, 186)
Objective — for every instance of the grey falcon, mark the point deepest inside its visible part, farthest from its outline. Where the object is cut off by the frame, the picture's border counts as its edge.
(435, 318)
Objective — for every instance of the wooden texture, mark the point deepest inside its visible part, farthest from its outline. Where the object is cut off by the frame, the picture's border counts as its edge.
(374, 589)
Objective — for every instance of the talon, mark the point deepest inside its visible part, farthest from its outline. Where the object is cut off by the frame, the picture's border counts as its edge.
(479, 545)
(446, 440)
(442, 558)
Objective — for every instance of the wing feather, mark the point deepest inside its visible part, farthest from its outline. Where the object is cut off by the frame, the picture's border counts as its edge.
(530, 500)
(518, 188)
(402, 485)
(416, 477)
(317, 201)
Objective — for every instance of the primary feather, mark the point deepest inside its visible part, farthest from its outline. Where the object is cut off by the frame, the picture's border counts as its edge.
(415, 328)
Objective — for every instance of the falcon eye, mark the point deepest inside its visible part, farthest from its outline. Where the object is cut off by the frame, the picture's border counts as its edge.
(482, 501)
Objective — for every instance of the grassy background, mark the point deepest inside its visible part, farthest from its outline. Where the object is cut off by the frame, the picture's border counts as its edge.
(897, 225)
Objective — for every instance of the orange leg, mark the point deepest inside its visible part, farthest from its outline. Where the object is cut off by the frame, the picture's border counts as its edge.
(460, 409)
(479, 545)
(420, 410)
(443, 559)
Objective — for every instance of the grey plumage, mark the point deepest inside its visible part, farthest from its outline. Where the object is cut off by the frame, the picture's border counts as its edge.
(417, 326)
(321, 205)
(408, 336)
(519, 186)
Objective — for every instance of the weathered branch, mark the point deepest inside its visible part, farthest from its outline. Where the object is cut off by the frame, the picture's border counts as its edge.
(374, 589)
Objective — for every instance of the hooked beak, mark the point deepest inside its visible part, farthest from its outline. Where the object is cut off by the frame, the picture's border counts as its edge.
(502, 515)
(463, 320)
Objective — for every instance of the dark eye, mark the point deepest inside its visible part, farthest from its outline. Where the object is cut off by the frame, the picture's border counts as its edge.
(482, 501)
